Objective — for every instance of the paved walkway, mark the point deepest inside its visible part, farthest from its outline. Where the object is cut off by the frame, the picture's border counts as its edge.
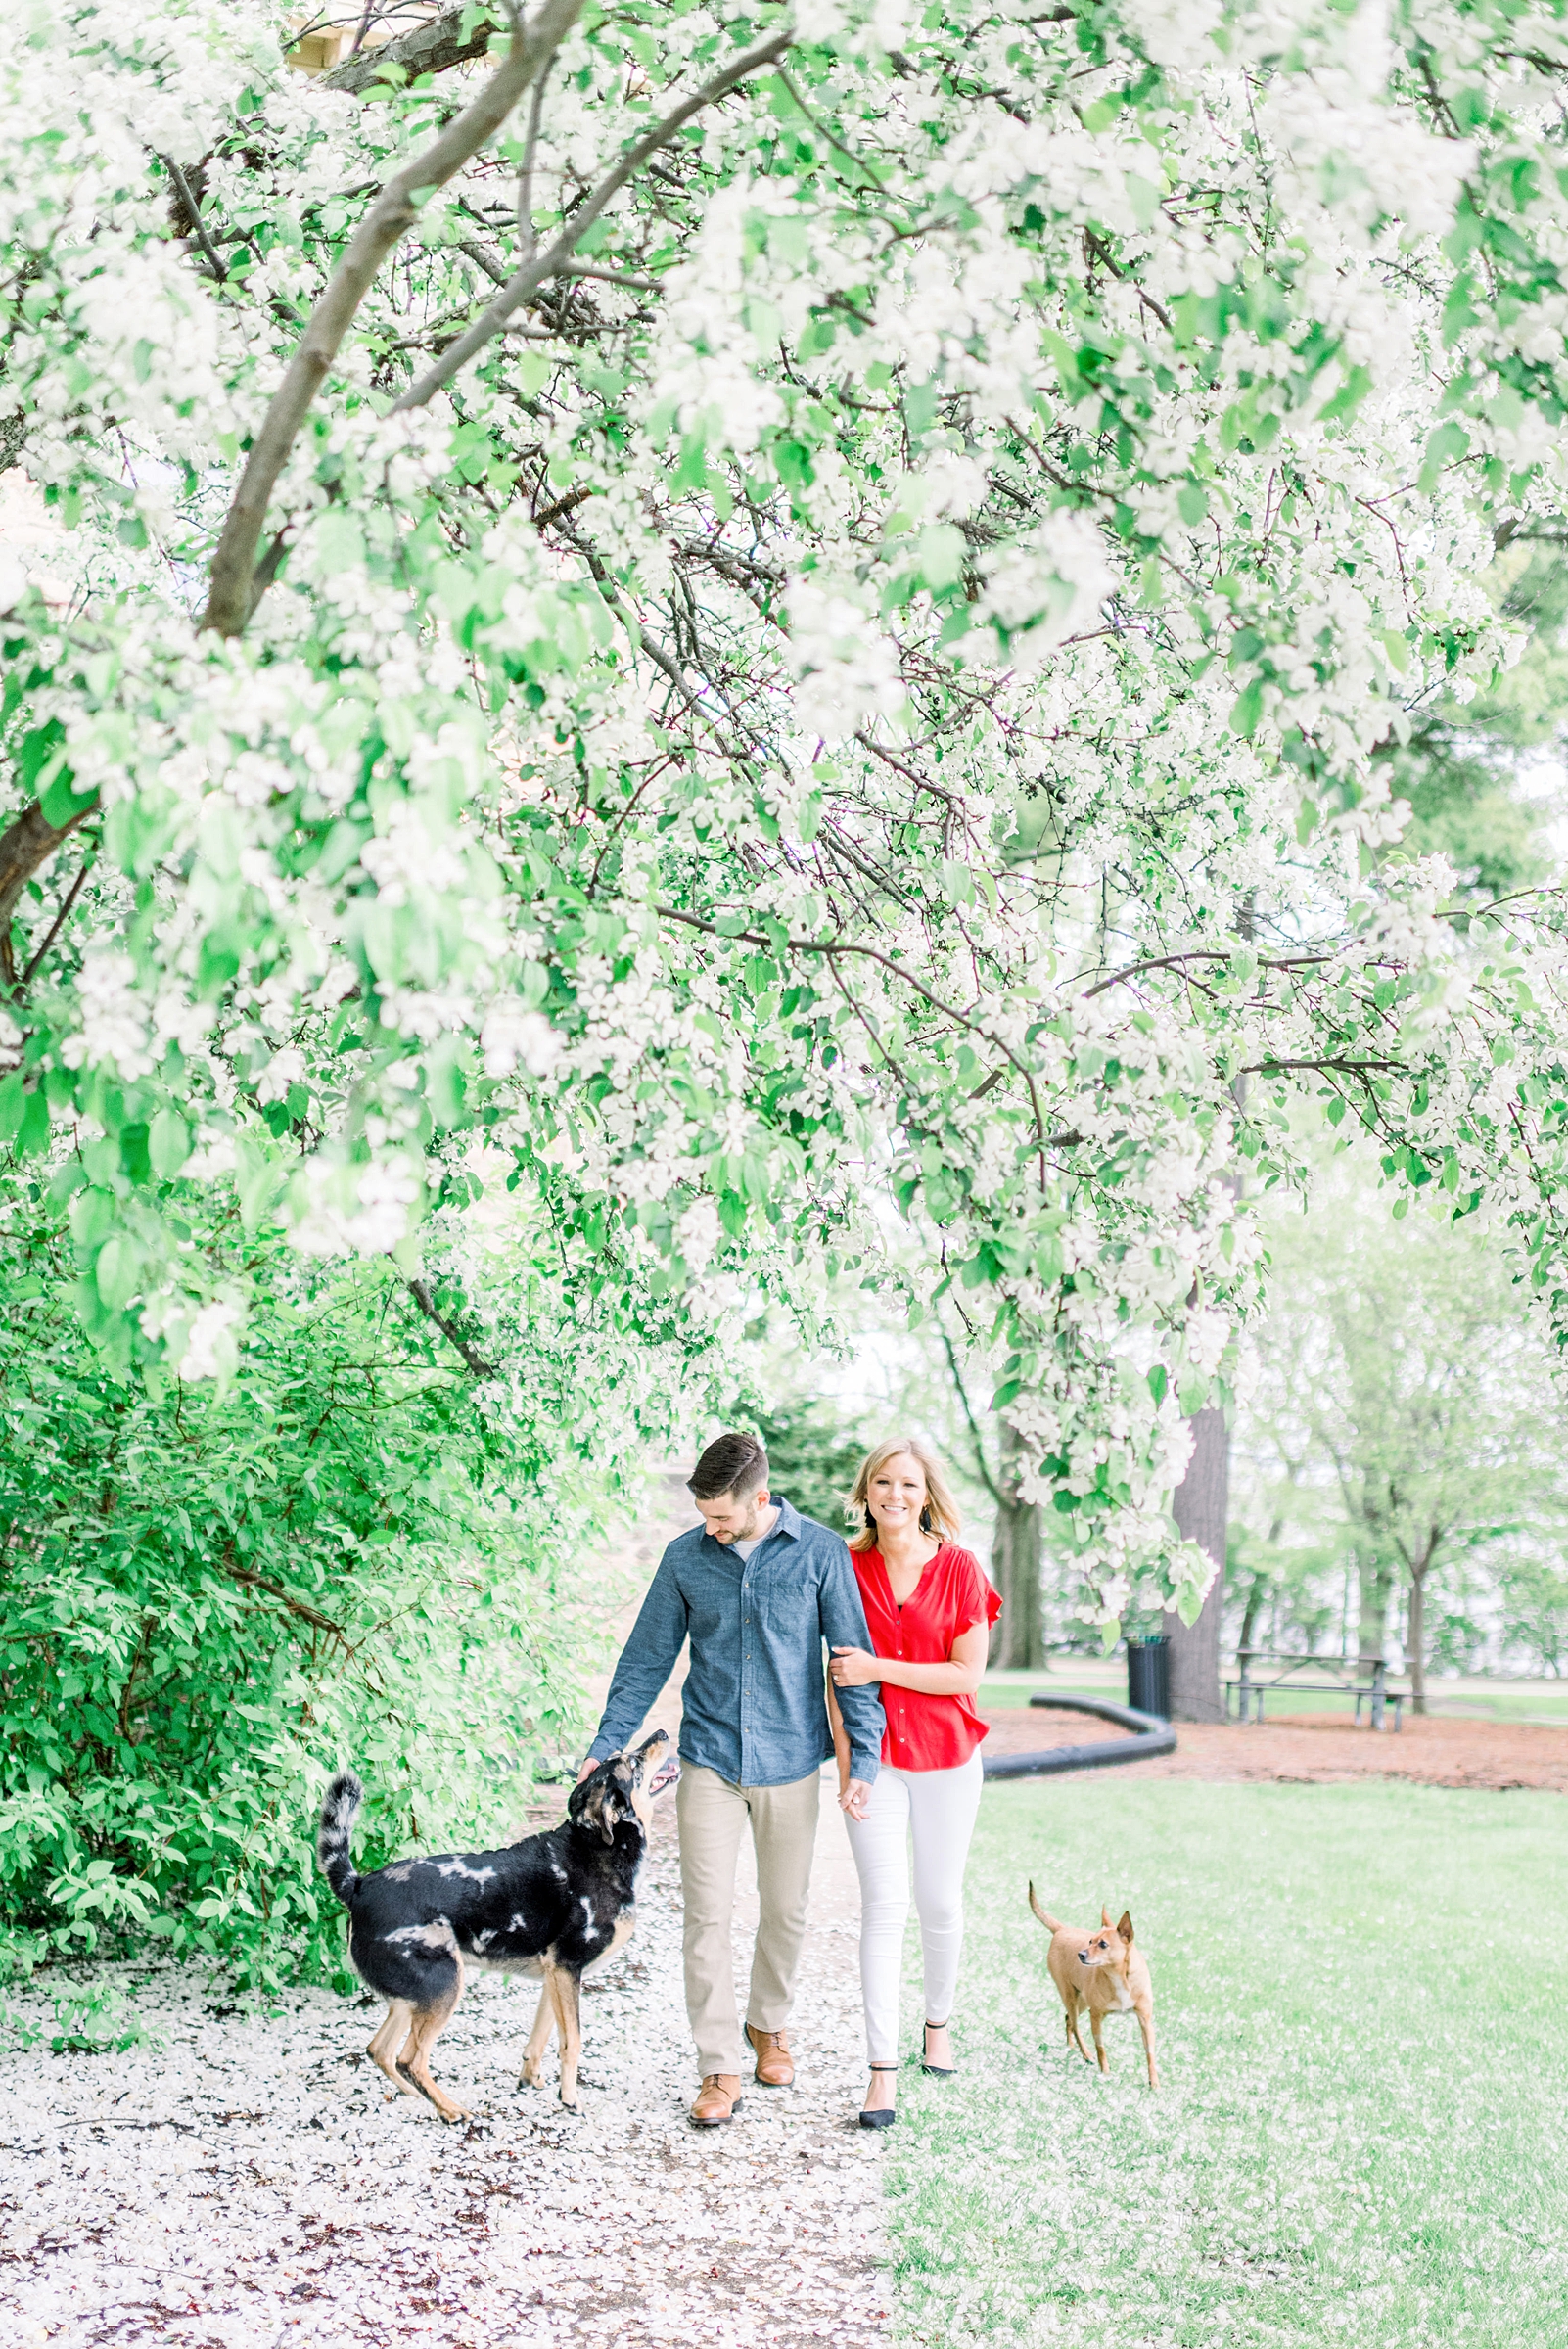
(245, 2184)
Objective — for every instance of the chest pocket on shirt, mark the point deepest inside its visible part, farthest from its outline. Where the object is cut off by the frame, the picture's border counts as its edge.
(784, 1603)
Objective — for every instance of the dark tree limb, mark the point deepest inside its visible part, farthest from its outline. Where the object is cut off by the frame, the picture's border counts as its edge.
(553, 261)
(188, 198)
(25, 845)
(420, 1291)
(301, 1609)
(976, 1444)
(230, 598)
(430, 48)
(59, 922)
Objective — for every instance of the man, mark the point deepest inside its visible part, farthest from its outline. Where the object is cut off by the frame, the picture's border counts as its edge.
(757, 1590)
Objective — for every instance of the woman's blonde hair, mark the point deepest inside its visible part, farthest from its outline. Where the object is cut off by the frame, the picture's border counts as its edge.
(940, 1509)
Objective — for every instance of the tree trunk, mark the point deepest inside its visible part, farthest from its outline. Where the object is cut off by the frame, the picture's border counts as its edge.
(1248, 1621)
(1201, 1508)
(1415, 1641)
(1415, 1628)
(1018, 1638)
(1376, 1589)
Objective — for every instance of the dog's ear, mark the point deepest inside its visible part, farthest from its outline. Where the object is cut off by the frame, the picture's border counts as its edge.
(594, 1804)
(1125, 1928)
(1105, 1915)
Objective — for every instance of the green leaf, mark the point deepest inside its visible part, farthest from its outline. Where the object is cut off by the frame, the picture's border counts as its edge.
(1247, 710)
(943, 552)
(168, 1143)
(13, 1104)
(117, 1271)
(32, 1135)
(61, 802)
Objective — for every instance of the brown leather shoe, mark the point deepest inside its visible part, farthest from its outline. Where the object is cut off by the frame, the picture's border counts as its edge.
(718, 2101)
(776, 2065)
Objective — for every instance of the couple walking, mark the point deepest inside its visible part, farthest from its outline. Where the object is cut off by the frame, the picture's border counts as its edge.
(905, 1615)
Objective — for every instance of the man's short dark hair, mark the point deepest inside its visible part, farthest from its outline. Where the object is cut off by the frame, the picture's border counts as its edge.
(734, 1463)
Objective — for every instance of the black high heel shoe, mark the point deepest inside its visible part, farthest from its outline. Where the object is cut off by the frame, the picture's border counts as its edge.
(883, 2115)
(936, 2071)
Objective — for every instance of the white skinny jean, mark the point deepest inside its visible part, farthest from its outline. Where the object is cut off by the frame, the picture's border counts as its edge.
(939, 1805)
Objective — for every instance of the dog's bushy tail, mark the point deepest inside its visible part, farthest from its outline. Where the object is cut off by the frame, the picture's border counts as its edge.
(1049, 1922)
(338, 1814)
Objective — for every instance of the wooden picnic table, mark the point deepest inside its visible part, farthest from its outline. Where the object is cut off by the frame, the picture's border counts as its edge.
(1250, 1689)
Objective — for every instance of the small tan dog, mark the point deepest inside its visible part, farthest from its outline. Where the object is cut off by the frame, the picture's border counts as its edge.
(1102, 1971)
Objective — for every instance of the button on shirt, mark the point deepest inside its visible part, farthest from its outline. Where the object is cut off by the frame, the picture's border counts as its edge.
(753, 1707)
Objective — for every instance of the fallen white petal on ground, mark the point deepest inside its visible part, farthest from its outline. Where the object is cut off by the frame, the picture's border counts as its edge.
(248, 2183)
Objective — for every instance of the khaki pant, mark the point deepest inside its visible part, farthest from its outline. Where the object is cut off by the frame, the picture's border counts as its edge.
(714, 1815)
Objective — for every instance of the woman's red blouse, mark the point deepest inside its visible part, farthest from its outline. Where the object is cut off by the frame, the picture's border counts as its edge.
(952, 1594)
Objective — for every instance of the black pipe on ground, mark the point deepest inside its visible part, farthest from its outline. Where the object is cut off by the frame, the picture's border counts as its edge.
(1148, 1736)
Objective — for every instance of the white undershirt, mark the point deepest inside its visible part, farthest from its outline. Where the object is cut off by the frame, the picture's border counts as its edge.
(744, 1550)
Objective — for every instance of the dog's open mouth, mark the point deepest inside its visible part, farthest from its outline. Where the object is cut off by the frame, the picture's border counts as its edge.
(665, 1774)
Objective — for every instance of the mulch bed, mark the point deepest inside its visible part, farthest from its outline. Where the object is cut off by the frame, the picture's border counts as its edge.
(1320, 1749)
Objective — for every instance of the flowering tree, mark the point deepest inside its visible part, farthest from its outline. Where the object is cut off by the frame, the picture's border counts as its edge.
(768, 614)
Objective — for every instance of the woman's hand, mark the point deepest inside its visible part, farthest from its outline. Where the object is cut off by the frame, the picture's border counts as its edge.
(854, 1798)
(852, 1668)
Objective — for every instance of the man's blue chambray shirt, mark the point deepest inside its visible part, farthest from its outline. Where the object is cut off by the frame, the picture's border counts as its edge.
(753, 1707)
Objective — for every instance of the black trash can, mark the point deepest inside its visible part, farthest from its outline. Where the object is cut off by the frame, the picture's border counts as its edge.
(1148, 1675)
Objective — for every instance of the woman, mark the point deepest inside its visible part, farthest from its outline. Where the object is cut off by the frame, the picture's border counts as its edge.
(928, 1609)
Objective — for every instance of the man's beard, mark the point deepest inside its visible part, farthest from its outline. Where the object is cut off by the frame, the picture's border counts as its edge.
(749, 1530)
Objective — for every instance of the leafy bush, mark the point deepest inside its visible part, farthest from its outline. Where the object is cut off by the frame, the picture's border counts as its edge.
(210, 1595)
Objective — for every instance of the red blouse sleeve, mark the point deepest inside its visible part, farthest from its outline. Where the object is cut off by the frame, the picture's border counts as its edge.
(978, 1603)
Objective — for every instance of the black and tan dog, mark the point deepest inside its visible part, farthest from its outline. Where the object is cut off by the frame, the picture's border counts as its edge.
(550, 1906)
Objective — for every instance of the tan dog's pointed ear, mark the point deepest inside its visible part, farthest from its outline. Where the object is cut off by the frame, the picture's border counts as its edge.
(1125, 1928)
(1105, 1915)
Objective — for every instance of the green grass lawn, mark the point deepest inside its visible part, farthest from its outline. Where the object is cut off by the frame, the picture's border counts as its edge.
(1361, 1994)
(1473, 1698)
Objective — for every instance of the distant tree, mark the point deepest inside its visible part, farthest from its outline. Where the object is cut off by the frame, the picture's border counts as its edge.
(813, 1456)
(1403, 1361)
(1534, 1598)
(1460, 770)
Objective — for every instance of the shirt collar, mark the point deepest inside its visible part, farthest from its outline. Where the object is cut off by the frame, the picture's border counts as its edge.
(788, 1522)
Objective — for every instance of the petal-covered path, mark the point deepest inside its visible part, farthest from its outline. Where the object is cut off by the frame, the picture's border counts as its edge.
(245, 2183)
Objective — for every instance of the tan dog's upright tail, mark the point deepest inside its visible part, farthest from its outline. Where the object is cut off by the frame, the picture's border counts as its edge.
(1050, 1923)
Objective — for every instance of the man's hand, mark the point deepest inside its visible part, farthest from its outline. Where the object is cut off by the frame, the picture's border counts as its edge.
(856, 1798)
(587, 1769)
(852, 1668)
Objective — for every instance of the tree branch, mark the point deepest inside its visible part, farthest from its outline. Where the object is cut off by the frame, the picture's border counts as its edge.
(1166, 962)
(420, 1292)
(286, 1599)
(987, 1478)
(833, 948)
(388, 222)
(56, 924)
(187, 197)
(1349, 1068)
(25, 845)
(430, 48)
(529, 279)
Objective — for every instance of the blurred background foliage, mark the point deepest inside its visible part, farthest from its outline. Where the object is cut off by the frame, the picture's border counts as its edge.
(1484, 778)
